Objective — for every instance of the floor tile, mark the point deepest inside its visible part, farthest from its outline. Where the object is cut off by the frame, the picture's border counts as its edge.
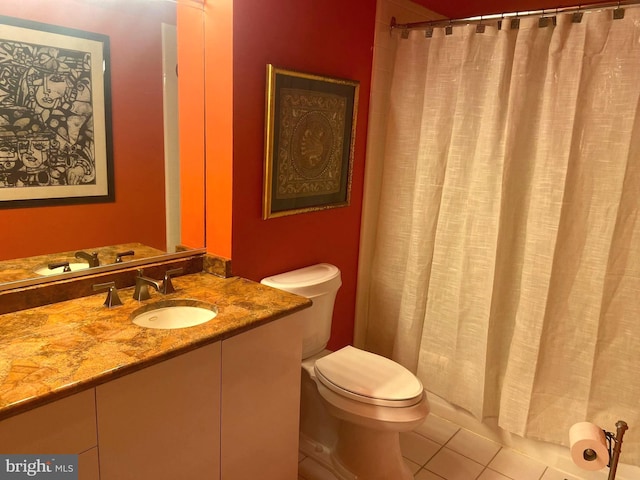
(453, 466)
(551, 474)
(417, 448)
(441, 450)
(516, 466)
(413, 466)
(427, 475)
(489, 474)
(309, 469)
(437, 429)
(473, 446)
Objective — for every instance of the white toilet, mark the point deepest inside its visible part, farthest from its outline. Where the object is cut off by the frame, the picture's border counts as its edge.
(354, 403)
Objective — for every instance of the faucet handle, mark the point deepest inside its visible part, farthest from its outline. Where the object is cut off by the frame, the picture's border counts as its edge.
(123, 254)
(112, 297)
(167, 285)
(53, 266)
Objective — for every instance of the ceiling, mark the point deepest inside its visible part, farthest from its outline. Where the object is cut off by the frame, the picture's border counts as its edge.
(471, 8)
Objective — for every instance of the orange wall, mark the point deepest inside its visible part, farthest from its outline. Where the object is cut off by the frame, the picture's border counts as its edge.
(328, 37)
(219, 76)
(136, 82)
(190, 19)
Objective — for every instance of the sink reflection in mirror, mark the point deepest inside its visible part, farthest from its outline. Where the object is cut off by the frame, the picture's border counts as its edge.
(73, 267)
(173, 314)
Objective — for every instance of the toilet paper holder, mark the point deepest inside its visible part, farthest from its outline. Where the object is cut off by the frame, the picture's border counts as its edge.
(614, 444)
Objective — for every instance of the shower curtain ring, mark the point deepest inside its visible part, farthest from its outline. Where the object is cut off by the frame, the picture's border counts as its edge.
(618, 13)
(577, 16)
(515, 22)
(480, 26)
(543, 21)
(428, 33)
(449, 28)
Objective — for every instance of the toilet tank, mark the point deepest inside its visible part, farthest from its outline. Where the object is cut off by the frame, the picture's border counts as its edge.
(320, 283)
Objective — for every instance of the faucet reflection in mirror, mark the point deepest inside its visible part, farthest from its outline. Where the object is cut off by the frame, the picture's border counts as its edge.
(91, 258)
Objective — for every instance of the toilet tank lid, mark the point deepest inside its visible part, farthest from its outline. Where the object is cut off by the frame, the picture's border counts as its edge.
(369, 376)
(303, 277)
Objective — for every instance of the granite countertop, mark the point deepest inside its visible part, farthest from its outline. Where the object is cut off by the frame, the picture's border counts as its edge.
(56, 350)
(24, 268)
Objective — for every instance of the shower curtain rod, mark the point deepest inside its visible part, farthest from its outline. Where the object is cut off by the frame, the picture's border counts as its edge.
(546, 12)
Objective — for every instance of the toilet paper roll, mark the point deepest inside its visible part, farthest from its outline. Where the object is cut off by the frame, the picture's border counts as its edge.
(588, 446)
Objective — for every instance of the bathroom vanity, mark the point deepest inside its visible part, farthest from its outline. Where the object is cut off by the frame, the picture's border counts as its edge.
(214, 401)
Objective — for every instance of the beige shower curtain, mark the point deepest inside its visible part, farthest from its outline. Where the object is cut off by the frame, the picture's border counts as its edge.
(506, 270)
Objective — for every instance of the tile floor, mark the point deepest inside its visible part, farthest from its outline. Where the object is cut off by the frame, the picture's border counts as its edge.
(440, 450)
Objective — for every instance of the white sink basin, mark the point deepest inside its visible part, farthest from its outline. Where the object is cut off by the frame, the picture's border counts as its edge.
(170, 314)
(55, 271)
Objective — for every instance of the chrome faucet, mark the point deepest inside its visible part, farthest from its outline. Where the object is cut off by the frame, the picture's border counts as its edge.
(143, 283)
(91, 258)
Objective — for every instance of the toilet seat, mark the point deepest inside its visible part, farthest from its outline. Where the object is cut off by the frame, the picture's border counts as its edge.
(368, 378)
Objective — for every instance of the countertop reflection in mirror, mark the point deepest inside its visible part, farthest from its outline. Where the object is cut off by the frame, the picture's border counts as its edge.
(146, 257)
(58, 263)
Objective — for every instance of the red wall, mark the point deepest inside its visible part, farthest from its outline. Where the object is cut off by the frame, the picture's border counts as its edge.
(136, 83)
(329, 37)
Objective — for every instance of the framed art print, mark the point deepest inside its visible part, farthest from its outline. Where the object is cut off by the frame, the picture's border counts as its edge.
(309, 142)
(55, 120)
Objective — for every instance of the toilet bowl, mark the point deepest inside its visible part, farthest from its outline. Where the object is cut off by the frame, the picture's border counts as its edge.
(354, 403)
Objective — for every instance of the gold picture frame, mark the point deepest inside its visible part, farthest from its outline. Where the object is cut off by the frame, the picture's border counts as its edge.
(309, 142)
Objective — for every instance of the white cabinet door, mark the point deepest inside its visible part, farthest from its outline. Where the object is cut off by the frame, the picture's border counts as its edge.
(261, 402)
(163, 422)
(66, 426)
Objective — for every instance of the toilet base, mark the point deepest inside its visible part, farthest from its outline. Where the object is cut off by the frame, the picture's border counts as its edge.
(359, 454)
(321, 455)
(370, 454)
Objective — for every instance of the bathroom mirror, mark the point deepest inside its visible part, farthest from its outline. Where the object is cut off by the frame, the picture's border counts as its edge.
(143, 79)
